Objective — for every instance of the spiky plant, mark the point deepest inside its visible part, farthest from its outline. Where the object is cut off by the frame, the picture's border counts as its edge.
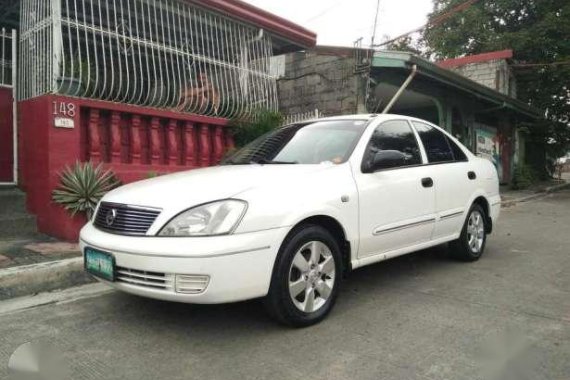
(82, 186)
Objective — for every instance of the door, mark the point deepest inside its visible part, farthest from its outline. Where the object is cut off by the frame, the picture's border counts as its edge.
(6, 136)
(454, 178)
(397, 197)
(7, 106)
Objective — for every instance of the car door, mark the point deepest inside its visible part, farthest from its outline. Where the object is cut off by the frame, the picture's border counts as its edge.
(396, 201)
(454, 179)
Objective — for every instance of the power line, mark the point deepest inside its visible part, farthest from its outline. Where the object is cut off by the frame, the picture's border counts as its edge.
(433, 22)
(325, 11)
(522, 65)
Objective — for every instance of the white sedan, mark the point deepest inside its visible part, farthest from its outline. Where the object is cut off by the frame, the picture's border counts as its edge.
(289, 215)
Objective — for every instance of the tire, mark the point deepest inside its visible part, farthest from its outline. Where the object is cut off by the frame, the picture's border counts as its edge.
(303, 290)
(471, 243)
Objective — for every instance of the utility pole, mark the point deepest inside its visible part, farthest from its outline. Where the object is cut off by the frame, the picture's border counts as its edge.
(370, 57)
(375, 24)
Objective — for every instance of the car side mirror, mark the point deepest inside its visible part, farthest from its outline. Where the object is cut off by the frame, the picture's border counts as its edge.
(386, 159)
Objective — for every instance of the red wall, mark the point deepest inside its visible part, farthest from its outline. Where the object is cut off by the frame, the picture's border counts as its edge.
(133, 141)
(6, 137)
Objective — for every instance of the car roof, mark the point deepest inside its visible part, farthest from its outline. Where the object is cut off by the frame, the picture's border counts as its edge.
(372, 116)
(365, 117)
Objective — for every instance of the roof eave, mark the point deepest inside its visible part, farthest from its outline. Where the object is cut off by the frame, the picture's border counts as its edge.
(426, 68)
(278, 26)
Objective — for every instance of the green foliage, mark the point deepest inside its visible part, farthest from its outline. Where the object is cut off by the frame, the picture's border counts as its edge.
(406, 44)
(153, 174)
(537, 31)
(82, 186)
(523, 177)
(247, 129)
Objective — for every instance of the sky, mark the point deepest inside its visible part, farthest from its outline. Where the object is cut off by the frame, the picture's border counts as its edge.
(341, 22)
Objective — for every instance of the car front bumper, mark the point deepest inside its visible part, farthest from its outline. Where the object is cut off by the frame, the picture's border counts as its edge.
(221, 269)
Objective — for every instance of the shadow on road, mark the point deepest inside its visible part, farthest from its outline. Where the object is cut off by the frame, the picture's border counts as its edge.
(357, 286)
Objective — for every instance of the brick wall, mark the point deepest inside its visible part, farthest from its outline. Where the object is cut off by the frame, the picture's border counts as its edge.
(495, 74)
(326, 82)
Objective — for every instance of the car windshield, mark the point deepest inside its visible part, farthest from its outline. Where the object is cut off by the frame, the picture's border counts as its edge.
(330, 141)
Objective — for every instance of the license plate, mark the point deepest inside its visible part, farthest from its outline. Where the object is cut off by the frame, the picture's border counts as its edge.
(100, 264)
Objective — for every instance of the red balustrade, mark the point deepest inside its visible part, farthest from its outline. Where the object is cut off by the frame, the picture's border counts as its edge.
(156, 142)
(134, 142)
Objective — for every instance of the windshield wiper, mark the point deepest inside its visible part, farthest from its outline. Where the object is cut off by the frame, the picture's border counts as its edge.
(258, 161)
(232, 162)
(263, 161)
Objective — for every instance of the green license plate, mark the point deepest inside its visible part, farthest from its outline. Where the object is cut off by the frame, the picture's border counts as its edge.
(100, 264)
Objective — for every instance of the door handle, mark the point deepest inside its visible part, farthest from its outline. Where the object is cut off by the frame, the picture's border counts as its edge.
(471, 175)
(427, 182)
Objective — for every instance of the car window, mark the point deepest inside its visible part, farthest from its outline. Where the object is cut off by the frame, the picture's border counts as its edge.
(458, 153)
(435, 143)
(394, 135)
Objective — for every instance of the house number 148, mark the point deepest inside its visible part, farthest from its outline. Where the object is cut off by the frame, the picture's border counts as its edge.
(64, 109)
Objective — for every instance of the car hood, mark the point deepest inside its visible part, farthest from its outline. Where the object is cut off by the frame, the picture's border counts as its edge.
(194, 187)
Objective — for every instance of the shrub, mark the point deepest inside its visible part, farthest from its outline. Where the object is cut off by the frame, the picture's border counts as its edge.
(249, 128)
(82, 186)
(153, 174)
(523, 177)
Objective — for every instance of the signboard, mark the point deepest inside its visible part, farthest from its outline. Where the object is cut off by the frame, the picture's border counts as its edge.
(488, 147)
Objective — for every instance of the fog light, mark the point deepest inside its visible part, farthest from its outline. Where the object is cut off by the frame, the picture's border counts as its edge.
(191, 284)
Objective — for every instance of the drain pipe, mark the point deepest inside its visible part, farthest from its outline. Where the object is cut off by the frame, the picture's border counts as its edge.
(401, 89)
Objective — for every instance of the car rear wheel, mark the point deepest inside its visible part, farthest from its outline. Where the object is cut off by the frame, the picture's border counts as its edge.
(306, 277)
(471, 243)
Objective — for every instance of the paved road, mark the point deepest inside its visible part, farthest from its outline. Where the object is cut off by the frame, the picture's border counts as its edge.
(416, 317)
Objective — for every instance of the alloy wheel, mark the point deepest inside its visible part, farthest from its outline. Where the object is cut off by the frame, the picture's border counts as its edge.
(312, 276)
(475, 231)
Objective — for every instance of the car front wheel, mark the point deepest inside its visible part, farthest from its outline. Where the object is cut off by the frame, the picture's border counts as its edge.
(306, 277)
(471, 243)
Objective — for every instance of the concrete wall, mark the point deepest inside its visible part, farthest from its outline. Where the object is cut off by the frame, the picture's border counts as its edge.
(325, 82)
(495, 74)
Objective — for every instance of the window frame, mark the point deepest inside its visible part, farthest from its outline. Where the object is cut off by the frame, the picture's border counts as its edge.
(423, 157)
(449, 139)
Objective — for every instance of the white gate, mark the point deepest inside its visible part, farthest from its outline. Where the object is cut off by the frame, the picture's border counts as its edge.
(8, 114)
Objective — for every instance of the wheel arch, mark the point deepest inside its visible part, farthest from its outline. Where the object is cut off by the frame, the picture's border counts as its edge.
(336, 229)
(485, 205)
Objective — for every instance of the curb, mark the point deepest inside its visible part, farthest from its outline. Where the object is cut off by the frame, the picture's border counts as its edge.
(548, 190)
(43, 277)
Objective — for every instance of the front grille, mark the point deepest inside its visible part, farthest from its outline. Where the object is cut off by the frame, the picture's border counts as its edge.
(124, 219)
(154, 280)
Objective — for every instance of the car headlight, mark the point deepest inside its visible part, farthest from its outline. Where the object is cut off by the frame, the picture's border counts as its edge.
(216, 218)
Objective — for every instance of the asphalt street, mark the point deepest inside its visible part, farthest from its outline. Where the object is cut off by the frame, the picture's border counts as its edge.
(421, 316)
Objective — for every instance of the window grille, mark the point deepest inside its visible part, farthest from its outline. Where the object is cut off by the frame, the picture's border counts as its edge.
(158, 53)
(6, 59)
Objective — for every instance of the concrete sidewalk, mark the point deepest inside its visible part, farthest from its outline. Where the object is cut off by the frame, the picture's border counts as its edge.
(38, 264)
(512, 197)
(34, 250)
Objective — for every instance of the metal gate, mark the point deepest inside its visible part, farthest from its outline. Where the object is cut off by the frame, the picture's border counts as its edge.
(8, 115)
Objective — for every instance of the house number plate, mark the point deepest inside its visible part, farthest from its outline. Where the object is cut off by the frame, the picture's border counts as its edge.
(64, 122)
(64, 114)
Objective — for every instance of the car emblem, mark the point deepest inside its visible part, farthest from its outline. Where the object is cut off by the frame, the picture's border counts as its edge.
(110, 217)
